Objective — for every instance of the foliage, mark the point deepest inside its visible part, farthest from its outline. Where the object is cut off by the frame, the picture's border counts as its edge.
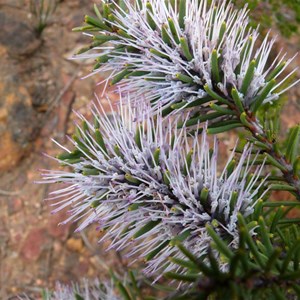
(41, 11)
(147, 174)
(285, 14)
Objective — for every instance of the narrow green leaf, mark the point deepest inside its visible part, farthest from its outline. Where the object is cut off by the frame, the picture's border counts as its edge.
(237, 100)
(124, 34)
(182, 13)
(244, 53)
(123, 291)
(184, 78)
(183, 263)
(97, 23)
(185, 49)
(99, 139)
(258, 101)
(159, 53)
(131, 179)
(197, 262)
(118, 77)
(156, 156)
(230, 167)
(233, 200)
(281, 203)
(251, 244)
(166, 177)
(258, 209)
(222, 247)
(154, 252)
(137, 74)
(78, 297)
(180, 238)
(137, 137)
(248, 77)
(186, 104)
(265, 234)
(296, 165)
(146, 228)
(173, 30)
(289, 257)
(225, 128)
(244, 120)
(222, 31)
(222, 109)
(200, 119)
(215, 66)
(97, 12)
(181, 277)
(282, 187)
(84, 28)
(149, 15)
(277, 217)
(105, 38)
(204, 197)
(165, 35)
(188, 162)
(293, 144)
(276, 71)
(215, 96)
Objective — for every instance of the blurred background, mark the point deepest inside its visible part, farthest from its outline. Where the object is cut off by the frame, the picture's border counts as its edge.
(39, 88)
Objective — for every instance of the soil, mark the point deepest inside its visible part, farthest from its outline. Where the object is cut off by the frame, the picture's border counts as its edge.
(39, 88)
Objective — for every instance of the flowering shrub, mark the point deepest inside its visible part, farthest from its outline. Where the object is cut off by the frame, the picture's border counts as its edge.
(147, 174)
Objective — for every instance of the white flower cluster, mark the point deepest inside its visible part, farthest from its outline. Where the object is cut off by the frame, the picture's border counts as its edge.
(189, 53)
(148, 184)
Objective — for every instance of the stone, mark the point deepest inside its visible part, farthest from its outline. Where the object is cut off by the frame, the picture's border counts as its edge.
(17, 121)
(17, 36)
(34, 244)
(57, 231)
(75, 245)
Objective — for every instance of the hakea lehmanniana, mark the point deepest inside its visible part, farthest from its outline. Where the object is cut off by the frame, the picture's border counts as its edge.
(148, 185)
(95, 290)
(188, 54)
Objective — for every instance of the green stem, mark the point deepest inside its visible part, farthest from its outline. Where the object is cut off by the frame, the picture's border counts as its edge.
(272, 150)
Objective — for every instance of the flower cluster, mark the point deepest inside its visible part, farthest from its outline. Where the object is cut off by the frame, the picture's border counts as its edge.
(186, 55)
(148, 184)
(89, 291)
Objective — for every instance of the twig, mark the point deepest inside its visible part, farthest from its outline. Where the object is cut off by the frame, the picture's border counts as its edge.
(92, 249)
(56, 100)
(9, 193)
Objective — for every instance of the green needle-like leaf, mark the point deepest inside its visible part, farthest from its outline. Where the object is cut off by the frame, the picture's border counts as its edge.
(221, 245)
(248, 77)
(173, 30)
(149, 226)
(215, 66)
(182, 13)
(185, 49)
(258, 101)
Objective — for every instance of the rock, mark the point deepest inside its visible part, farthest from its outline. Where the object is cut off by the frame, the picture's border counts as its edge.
(24, 92)
(34, 244)
(75, 245)
(58, 231)
(17, 121)
(16, 35)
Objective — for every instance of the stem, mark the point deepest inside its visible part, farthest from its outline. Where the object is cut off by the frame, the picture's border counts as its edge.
(286, 169)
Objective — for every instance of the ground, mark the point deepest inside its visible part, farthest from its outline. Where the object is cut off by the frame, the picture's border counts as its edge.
(39, 88)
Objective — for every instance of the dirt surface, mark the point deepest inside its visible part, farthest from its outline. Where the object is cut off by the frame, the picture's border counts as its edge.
(39, 87)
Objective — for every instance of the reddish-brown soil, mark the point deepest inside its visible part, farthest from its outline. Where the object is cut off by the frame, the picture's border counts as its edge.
(39, 87)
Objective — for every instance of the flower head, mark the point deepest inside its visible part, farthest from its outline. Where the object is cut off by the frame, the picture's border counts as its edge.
(187, 54)
(89, 291)
(148, 184)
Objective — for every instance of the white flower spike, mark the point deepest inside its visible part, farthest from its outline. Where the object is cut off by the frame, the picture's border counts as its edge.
(148, 184)
(186, 55)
